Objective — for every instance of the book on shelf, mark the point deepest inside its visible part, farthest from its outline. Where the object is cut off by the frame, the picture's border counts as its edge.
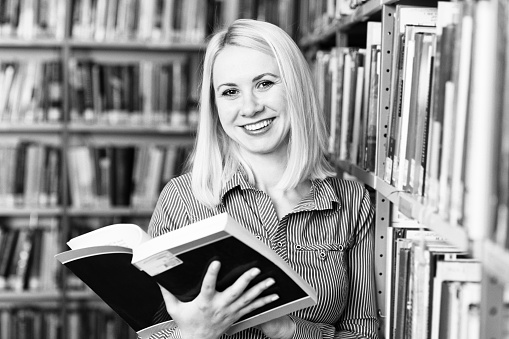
(405, 15)
(27, 321)
(405, 131)
(416, 157)
(157, 21)
(337, 69)
(480, 185)
(130, 92)
(124, 266)
(32, 91)
(26, 257)
(330, 107)
(357, 127)
(449, 279)
(413, 254)
(463, 92)
(442, 75)
(351, 100)
(371, 95)
(122, 175)
(29, 174)
(500, 231)
(29, 20)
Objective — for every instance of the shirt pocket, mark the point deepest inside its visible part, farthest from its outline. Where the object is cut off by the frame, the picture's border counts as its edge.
(323, 252)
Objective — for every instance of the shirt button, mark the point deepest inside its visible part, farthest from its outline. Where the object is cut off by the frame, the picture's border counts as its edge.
(298, 247)
(280, 244)
(258, 237)
(323, 255)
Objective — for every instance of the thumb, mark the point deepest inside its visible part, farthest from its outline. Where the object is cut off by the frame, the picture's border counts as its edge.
(169, 299)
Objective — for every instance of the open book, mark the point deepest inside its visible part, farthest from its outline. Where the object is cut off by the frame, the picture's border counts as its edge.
(123, 265)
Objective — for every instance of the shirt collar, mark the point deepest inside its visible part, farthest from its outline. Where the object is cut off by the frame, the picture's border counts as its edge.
(239, 178)
(322, 195)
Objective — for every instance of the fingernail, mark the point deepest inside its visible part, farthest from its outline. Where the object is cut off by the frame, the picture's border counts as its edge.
(255, 272)
(215, 264)
(269, 282)
(274, 297)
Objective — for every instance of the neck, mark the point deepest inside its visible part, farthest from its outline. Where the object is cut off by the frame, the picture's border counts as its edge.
(268, 171)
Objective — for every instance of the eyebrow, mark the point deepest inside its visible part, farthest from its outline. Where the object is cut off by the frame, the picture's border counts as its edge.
(256, 78)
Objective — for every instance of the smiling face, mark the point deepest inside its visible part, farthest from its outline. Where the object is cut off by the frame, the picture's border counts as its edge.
(251, 101)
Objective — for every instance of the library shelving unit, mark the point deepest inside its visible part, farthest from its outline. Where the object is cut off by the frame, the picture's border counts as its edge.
(55, 306)
(472, 232)
(80, 82)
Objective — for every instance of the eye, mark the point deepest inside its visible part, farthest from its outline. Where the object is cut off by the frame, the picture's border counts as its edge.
(229, 92)
(265, 84)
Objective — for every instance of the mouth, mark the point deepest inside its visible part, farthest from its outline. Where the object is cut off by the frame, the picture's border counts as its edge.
(258, 125)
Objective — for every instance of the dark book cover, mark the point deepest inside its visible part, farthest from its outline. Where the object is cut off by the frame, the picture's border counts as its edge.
(7, 254)
(19, 172)
(122, 174)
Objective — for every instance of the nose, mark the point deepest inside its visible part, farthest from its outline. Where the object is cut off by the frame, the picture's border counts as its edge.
(251, 105)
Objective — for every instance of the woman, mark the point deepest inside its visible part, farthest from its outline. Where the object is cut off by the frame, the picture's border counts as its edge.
(259, 156)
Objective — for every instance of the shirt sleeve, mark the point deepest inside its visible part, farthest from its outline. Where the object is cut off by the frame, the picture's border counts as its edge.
(307, 330)
(172, 332)
(360, 317)
(170, 212)
(168, 215)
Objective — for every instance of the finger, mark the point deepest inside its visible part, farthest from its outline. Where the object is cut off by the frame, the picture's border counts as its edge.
(236, 290)
(169, 299)
(208, 287)
(253, 293)
(260, 302)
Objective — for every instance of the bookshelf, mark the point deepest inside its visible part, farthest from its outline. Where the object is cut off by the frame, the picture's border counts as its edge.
(87, 76)
(467, 219)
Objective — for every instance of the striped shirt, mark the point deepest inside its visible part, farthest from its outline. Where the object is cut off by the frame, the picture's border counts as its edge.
(327, 238)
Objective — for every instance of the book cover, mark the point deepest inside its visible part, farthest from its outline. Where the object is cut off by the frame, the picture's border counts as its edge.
(443, 65)
(459, 270)
(124, 268)
(370, 161)
(425, 43)
(404, 15)
(401, 291)
(370, 94)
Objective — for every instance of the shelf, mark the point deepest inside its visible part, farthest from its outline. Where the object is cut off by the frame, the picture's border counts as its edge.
(29, 296)
(27, 212)
(111, 212)
(85, 294)
(131, 129)
(31, 127)
(90, 212)
(361, 14)
(137, 45)
(496, 260)
(39, 43)
(362, 175)
(411, 206)
(326, 33)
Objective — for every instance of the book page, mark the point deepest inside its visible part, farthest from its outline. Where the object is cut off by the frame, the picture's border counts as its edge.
(125, 235)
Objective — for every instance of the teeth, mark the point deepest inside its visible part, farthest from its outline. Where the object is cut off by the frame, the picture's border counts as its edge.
(258, 125)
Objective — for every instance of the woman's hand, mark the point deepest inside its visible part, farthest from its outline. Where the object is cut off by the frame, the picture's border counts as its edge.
(280, 328)
(211, 313)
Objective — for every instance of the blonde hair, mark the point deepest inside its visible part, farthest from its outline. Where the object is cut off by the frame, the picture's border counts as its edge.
(215, 158)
